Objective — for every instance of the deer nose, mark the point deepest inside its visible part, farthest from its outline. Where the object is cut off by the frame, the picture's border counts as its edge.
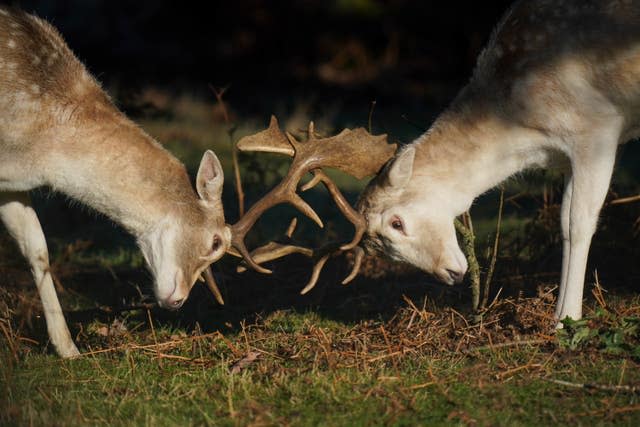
(174, 304)
(456, 276)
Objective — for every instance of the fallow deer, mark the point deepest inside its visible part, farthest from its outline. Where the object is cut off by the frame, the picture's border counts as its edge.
(59, 129)
(558, 84)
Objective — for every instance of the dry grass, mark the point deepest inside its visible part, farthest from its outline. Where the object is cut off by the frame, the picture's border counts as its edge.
(425, 363)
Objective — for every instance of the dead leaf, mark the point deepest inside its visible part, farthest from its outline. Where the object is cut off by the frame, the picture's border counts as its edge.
(103, 331)
(247, 360)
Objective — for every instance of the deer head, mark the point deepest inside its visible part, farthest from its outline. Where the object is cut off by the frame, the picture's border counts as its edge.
(410, 224)
(177, 251)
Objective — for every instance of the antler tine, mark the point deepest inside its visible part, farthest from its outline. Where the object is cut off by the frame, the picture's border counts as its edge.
(237, 241)
(274, 250)
(285, 191)
(292, 227)
(355, 217)
(357, 262)
(322, 255)
(311, 131)
(315, 274)
(213, 287)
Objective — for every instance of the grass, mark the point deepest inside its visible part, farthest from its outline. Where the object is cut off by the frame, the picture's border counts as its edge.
(312, 371)
(393, 348)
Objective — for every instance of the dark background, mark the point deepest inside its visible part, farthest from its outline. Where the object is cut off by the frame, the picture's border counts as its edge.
(399, 52)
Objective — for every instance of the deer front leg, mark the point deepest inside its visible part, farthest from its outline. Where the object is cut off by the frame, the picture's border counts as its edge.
(585, 192)
(566, 238)
(22, 223)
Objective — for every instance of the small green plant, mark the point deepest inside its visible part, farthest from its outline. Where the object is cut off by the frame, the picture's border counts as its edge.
(605, 330)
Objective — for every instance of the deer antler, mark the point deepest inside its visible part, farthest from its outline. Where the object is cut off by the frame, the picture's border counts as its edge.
(275, 250)
(355, 152)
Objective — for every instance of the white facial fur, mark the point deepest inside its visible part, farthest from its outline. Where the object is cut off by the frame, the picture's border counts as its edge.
(158, 248)
(410, 223)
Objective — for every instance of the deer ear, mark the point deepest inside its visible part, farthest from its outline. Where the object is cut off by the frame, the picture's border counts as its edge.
(210, 178)
(401, 168)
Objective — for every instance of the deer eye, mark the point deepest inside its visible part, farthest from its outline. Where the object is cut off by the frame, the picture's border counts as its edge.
(216, 245)
(396, 224)
(217, 242)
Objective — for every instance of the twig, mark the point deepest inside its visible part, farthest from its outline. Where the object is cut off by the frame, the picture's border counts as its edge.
(385, 356)
(510, 372)
(412, 123)
(219, 93)
(388, 343)
(597, 292)
(10, 340)
(506, 344)
(468, 243)
(236, 176)
(623, 200)
(419, 386)
(373, 106)
(494, 256)
(156, 345)
(161, 355)
(633, 389)
(424, 315)
(155, 339)
(610, 411)
(112, 310)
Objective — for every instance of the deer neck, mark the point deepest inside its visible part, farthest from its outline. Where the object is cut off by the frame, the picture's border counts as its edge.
(113, 166)
(465, 154)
